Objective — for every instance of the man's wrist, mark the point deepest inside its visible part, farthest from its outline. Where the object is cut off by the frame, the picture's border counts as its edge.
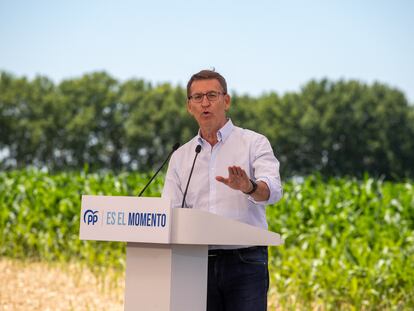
(253, 187)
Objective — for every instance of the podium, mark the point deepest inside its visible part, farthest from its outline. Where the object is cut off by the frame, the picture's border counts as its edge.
(167, 249)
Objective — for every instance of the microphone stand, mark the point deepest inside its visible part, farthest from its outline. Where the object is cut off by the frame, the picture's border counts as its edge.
(175, 147)
(197, 150)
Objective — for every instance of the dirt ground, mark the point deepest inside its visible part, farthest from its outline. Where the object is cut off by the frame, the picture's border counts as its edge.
(59, 287)
(42, 286)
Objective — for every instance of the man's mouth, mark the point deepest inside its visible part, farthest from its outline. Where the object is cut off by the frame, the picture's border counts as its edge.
(206, 113)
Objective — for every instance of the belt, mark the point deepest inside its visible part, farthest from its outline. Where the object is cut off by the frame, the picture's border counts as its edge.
(235, 251)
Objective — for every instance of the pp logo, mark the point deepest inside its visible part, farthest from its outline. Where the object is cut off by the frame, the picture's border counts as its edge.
(90, 217)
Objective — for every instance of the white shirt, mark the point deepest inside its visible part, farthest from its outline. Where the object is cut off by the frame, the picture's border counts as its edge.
(236, 146)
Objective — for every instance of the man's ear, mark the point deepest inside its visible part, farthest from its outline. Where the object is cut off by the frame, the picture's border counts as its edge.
(227, 102)
(189, 107)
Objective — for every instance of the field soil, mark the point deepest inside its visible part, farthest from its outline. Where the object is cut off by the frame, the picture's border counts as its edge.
(45, 286)
(28, 285)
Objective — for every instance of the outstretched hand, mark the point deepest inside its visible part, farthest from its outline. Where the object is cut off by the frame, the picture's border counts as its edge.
(237, 179)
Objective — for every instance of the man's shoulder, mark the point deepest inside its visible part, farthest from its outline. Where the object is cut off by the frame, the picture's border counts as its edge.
(247, 134)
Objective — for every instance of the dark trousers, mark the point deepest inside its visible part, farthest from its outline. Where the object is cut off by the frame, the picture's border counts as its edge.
(238, 279)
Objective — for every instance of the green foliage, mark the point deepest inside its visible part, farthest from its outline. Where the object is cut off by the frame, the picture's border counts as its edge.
(336, 128)
(157, 119)
(39, 214)
(350, 128)
(349, 244)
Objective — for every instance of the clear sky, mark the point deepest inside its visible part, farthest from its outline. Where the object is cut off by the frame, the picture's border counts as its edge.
(259, 46)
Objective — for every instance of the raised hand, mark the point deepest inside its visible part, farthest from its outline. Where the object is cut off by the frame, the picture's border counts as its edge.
(237, 179)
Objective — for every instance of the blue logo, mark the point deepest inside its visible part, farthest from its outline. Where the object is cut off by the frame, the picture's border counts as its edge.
(90, 217)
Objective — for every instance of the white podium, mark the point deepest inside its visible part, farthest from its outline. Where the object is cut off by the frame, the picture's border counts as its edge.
(167, 249)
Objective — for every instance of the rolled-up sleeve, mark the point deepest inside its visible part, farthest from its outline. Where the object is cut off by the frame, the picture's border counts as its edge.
(266, 168)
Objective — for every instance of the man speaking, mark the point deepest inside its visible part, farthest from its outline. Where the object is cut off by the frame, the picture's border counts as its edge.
(236, 174)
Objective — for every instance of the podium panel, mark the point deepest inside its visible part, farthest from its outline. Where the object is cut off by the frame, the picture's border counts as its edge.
(166, 278)
(167, 250)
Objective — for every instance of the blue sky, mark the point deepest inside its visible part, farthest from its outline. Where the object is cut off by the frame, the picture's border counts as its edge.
(259, 46)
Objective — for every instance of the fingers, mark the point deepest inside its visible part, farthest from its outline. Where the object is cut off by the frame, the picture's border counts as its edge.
(237, 171)
(222, 179)
(244, 175)
(237, 178)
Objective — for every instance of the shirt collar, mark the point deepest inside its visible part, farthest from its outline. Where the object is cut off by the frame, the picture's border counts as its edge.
(222, 133)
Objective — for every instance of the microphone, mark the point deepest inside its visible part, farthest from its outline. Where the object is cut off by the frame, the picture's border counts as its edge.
(175, 147)
(197, 150)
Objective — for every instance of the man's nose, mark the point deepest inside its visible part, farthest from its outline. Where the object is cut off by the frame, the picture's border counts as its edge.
(205, 102)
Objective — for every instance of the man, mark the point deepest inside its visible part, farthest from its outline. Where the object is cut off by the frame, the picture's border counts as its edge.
(236, 174)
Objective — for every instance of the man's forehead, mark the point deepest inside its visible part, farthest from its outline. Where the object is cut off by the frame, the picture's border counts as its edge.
(205, 85)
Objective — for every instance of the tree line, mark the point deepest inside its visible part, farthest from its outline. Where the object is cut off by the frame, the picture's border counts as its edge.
(332, 127)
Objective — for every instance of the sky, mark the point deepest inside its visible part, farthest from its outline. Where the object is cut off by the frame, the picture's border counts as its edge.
(258, 46)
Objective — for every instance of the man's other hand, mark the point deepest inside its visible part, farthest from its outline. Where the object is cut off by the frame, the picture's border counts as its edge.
(237, 179)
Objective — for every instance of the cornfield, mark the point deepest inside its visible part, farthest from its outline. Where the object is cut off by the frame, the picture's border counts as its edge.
(349, 244)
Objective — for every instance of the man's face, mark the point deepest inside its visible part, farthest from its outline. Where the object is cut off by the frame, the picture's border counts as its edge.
(210, 114)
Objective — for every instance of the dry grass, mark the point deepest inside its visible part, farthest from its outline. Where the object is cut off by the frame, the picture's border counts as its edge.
(26, 285)
(43, 286)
